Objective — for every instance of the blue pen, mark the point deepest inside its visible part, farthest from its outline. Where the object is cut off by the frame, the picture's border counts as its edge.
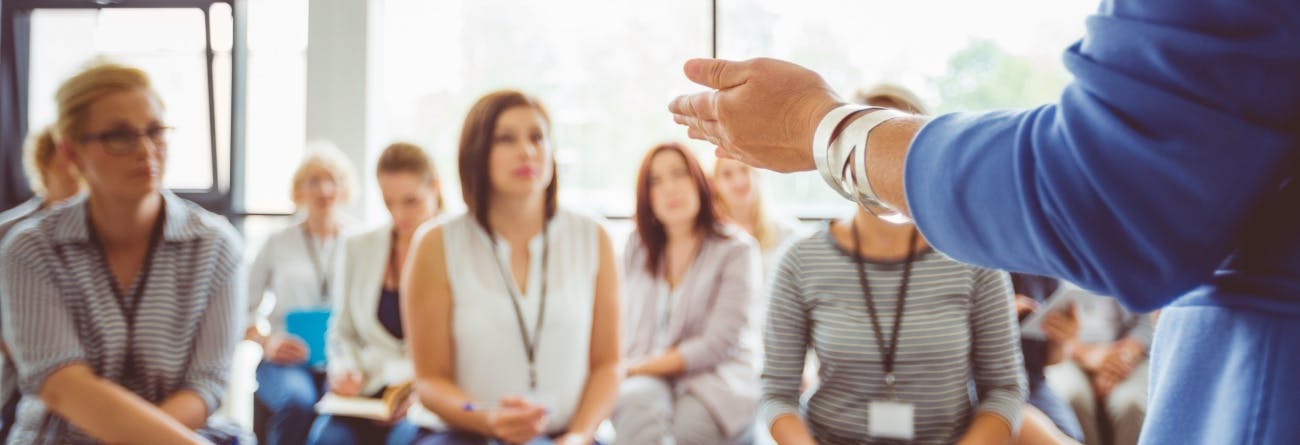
(472, 407)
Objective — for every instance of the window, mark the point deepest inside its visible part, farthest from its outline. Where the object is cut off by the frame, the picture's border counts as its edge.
(170, 44)
(64, 40)
(608, 69)
(956, 55)
(277, 102)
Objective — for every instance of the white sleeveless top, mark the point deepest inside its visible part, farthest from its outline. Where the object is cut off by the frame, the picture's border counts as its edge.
(491, 361)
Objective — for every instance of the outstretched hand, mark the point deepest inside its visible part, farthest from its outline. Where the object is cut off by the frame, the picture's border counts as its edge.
(762, 112)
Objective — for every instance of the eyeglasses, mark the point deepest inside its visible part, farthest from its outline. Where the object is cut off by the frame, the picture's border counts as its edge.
(124, 142)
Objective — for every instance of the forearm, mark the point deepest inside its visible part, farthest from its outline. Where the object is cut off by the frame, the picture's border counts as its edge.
(447, 400)
(789, 429)
(597, 399)
(109, 412)
(668, 364)
(987, 429)
(187, 407)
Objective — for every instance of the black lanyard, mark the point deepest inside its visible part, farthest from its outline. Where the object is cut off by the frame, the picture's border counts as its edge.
(129, 308)
(530, 342)
(887, 353)
(321, 277)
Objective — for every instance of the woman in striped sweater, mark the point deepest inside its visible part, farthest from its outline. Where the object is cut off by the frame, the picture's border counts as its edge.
(123, 307)
(903, 334)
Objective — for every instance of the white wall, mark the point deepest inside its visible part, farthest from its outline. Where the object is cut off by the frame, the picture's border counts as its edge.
(338, 85)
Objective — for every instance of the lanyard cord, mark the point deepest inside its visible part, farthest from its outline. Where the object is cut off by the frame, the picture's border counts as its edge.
(887, 353)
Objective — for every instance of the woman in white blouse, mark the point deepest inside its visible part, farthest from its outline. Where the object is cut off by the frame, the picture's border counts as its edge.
(295, 264)
(512, 309)
(367, 346)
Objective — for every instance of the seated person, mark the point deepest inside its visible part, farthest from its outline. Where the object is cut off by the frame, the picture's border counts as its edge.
(54, 179)
(121, 308)
(512, 309)
(1104, 372)
(689, 281)
(295, 264)
(903, 334)
(366, 339)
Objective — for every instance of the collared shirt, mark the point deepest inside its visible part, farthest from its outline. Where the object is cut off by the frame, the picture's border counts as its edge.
(292, 266)
(60, 309)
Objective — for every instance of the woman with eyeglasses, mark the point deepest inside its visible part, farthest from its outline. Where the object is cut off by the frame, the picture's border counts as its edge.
(296, 264)
(122, 308)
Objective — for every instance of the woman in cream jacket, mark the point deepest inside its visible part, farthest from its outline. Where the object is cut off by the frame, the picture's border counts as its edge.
(367, 347)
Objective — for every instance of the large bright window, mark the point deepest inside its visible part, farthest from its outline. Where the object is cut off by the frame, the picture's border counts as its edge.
(277, 102)
(955, 54)
(608, 69)
(170, 44)
(167, 43)
(605, 69)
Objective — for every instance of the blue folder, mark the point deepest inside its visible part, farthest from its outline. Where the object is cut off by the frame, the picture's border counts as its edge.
(310, 326)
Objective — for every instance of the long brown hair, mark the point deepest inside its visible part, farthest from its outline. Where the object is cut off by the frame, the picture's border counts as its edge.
(476, 148)
(648, 227)
(405, 157)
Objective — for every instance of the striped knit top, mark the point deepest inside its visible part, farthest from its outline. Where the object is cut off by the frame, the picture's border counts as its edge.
(958, 348)
(59, 308)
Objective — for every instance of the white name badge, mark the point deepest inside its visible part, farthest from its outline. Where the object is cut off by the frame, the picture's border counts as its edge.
(890, 420)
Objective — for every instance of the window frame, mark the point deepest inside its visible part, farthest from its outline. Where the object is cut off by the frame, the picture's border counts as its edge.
(15, 25)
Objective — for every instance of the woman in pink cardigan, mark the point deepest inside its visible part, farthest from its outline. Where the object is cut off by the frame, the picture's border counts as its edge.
(689, 283)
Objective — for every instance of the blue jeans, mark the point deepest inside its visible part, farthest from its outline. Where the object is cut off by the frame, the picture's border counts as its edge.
(331, 430)
(1041, 396)
(427, 437)
(291, 393)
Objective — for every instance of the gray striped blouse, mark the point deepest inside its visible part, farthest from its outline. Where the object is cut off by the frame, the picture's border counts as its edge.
(958, 350)
(59, 309)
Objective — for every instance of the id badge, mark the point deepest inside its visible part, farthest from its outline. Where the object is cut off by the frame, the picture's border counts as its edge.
(890, 420)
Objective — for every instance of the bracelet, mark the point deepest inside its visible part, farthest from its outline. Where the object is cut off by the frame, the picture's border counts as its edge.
(821, 144)
(853, 141)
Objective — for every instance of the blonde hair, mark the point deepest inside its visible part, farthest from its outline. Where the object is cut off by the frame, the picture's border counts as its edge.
(327, 157)
(37, 154)
(100, 78)
(404, 157)
(763, 231)
(903, 97)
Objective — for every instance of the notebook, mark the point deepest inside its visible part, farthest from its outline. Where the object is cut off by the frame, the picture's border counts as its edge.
(381, 408)
(310, 326)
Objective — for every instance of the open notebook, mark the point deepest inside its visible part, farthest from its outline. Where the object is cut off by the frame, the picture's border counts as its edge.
(381, 408)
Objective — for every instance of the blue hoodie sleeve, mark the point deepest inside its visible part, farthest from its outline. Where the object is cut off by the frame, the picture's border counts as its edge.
(1182, 116)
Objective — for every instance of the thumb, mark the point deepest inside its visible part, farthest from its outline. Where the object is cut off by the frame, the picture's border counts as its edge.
(716, 73)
